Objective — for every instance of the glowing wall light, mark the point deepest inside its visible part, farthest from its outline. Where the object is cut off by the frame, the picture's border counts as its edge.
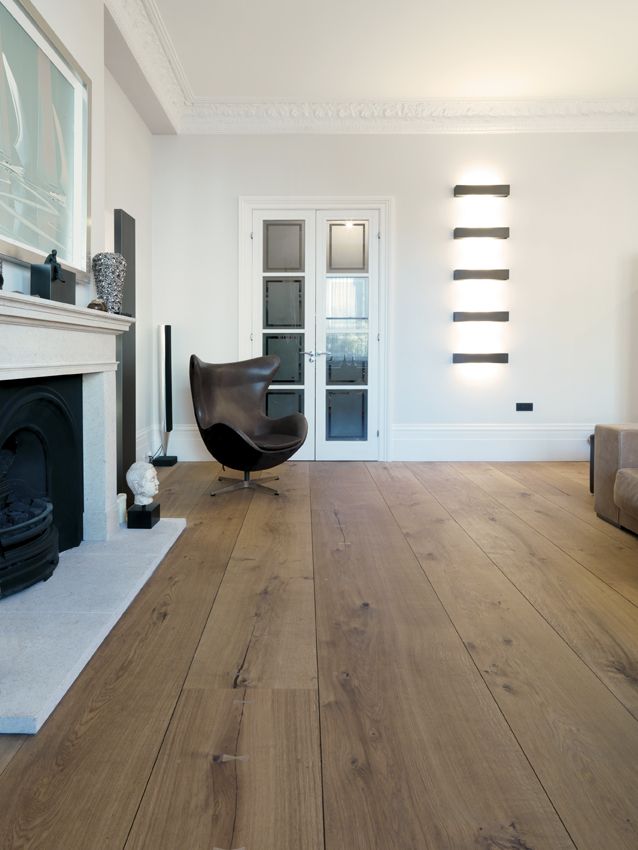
(480, 317)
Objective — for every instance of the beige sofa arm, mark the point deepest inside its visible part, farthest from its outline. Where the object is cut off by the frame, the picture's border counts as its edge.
(616, 448)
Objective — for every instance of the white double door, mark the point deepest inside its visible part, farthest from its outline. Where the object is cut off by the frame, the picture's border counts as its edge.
(315, 303)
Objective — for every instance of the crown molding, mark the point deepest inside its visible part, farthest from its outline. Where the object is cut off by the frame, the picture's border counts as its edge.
(142, 27)
(143, 30)
(423, 116)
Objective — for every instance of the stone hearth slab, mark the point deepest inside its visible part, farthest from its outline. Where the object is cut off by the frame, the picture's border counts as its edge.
(50, 631)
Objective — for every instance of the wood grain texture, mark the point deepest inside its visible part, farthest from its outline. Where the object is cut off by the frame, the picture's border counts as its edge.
(597, 622)
(415, 752)
(616, 563)
(547, 480)
(582, 744)
(466, 670)
(77, 784)
(262, 630)
(271, 799)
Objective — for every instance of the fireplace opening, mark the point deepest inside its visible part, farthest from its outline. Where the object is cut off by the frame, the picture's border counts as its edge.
(41, 477)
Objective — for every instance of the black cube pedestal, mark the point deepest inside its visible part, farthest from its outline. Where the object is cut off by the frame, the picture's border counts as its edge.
(143, 516)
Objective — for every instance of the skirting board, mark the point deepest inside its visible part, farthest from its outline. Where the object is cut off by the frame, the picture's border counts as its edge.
(144, 443)
(447, 442)
(490, 442)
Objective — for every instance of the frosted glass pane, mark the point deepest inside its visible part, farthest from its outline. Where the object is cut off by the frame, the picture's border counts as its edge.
(347, 297)
(347, 246)
(289, 347)
(283, 402)
(283, 246)
(347, 415)
(347, 347)
(283, 303)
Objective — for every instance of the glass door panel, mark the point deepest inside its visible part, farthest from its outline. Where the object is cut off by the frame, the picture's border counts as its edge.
(347, 336)
(316, 306)
(284, 310)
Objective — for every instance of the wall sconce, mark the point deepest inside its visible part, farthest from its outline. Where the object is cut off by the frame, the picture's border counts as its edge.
(480, 358)
(499, 191)
(481, 274)
(481, 232)
(482, 316)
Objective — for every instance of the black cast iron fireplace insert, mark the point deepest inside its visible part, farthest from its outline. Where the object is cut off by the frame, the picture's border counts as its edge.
(41, 477)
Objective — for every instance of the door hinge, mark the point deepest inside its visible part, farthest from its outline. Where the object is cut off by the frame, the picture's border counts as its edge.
(251, 236)
(377, 432)
(252, 337)
(378, 337)
(379, 235)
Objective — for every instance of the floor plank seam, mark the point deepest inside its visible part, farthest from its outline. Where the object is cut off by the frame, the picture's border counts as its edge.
(546, 537)
(181, 690)
(241, 720)
(475, 665)
(314, 596)
(529, 601)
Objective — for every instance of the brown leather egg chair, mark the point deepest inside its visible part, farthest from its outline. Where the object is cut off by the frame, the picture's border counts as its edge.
(229, 403)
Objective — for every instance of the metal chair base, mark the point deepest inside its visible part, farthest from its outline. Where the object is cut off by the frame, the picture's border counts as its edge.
(246, 484)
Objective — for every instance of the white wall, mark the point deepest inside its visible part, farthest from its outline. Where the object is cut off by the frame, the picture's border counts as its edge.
(129, 187)
(573, 293)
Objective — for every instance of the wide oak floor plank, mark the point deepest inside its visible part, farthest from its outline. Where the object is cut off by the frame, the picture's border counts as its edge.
(581, 742)
(596, 621)
(613, 562)
(261, 632)
(269, 799)
(415, 752)
(77, 784)
(547, 480)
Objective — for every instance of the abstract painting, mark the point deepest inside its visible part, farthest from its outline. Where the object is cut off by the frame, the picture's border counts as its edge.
(43, 144)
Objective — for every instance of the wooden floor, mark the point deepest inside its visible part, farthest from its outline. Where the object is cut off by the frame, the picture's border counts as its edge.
(386, 657)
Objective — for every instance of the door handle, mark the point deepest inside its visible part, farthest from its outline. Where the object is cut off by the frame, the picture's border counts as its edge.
(311, 355)
(321, 353)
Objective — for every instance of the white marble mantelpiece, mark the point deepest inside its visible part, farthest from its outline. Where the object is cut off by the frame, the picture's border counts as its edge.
(41, 338)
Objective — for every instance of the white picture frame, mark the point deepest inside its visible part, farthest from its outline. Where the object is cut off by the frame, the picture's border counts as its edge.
(45, 120)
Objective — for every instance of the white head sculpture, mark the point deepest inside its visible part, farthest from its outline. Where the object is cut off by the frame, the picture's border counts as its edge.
(142, 479)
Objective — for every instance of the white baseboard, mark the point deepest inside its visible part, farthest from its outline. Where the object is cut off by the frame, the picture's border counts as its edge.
(443, 442)
(490, 442)
(144, 443)
(186, 443)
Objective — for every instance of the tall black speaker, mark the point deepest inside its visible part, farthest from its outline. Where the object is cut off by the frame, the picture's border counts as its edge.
(125, 377)
(166, 395)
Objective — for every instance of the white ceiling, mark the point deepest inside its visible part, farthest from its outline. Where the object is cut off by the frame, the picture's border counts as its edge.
(401, 49)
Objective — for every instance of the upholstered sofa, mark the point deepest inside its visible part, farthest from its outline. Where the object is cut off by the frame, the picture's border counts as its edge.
(616, 475)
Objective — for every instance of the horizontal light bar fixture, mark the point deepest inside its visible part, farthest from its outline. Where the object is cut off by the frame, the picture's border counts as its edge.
(481, 274)
(490, 232)
(480, 358)
(500, 191)
(482, 316)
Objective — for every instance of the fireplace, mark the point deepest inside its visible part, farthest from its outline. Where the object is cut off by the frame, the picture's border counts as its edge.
(41, 476)
(58, 410)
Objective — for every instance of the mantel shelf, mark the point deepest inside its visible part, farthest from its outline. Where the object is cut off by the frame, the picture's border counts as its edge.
(29, 311)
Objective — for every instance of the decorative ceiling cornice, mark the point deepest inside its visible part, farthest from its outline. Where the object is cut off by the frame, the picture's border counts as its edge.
(143, 29)
(423, 116)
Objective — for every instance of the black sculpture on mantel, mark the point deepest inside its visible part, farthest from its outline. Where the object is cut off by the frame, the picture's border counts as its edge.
(47, 280)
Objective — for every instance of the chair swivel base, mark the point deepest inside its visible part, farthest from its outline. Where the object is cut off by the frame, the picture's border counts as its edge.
(246, 484)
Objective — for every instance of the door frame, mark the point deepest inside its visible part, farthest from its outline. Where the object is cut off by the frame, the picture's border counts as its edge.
(384, 205)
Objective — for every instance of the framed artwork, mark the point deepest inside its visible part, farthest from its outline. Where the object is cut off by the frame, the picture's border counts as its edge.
(45, 101)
